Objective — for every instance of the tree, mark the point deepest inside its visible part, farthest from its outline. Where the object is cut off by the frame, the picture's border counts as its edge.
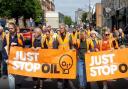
(39, 15)
(19, 8)
(67, 20)
(84, 17)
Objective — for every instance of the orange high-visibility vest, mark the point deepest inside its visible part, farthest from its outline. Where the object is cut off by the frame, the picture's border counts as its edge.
(92, 44)
(74, 38)
(64, 44)
(113, 40)
(42, 40)
(88, 32)
(3, 35)
(87, 42)
(49, 43)
(8, 41)
(105, 45)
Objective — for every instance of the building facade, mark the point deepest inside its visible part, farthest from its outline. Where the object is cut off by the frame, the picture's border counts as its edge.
(78, 15)
(115, 13)
(99, 14)
(47, 5)
(54, 19)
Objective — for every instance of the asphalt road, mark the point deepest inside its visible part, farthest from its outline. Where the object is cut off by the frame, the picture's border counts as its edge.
(27, 83)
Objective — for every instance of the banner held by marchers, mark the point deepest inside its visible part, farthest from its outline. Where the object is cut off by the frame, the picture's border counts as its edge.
(45, 63)
(107, 65)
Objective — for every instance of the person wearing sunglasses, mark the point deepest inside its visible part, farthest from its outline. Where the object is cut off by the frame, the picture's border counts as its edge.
(106, 43)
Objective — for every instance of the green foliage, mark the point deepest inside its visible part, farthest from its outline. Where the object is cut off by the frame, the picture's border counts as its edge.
(84, 17)
(19, 8)
(68, 20)
(38, 11)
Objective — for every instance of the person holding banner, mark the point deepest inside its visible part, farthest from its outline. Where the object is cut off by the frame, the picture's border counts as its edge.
(64, 43)
(37, 43)
(3, 65)
(13, 39)
(49, 28)
(94, 42)
(105, 44)
(64, 39)
(83, 47)
(48, 42)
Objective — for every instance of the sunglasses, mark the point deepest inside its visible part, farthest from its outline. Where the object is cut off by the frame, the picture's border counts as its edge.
(107, 34)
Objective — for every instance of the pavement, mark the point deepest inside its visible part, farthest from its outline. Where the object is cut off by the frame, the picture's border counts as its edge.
(27, 83)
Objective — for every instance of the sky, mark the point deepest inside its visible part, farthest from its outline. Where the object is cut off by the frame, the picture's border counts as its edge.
(68, 7)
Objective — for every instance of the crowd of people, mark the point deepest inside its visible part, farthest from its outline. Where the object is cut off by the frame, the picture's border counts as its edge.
(83, 40)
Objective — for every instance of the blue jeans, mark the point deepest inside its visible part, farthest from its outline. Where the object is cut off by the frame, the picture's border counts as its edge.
(81, 71)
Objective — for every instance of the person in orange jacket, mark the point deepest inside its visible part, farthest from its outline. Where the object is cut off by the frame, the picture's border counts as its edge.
(106, 44)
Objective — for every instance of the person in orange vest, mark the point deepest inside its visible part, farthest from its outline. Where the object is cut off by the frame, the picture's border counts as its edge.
(37, 43)
(88, 31)
(94, 42)
(74, 37)
(64, 43)
(78, 31)
(113, 39)
(83, 46)
(64, 39)
(13, 39)
(49, 28)
(49, 41)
